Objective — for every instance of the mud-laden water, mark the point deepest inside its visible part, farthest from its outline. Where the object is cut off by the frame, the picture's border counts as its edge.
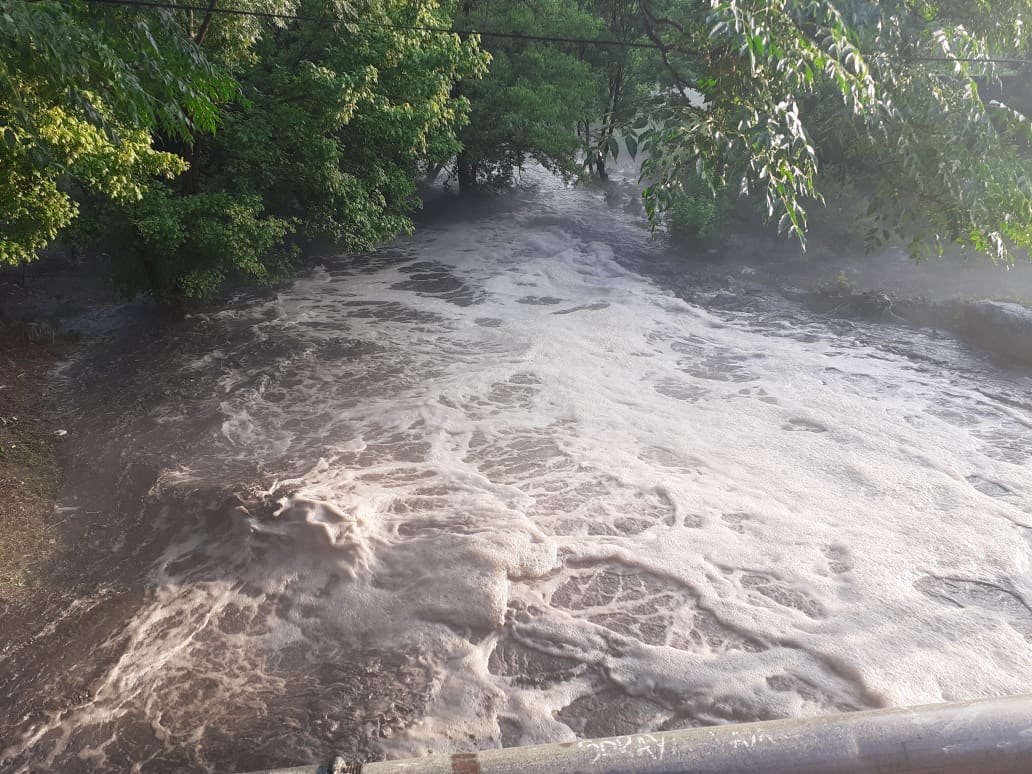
(494, 485)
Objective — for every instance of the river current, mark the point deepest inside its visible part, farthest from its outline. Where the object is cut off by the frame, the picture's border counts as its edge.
(520, 478)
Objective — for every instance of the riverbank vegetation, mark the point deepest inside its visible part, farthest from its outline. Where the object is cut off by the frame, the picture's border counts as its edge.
(193, 142)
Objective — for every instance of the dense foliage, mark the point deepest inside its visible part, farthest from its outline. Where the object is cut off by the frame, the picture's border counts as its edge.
(555, 103)
(82, 93)
(323, 142)
(528, 105)
(887, 94)
(203, 145)
(197, 145)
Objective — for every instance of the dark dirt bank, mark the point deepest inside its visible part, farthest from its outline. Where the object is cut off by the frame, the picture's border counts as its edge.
(29, 472)
(46, 312)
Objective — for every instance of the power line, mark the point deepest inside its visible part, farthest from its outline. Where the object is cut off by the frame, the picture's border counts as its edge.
(508, 35)
(950, 59)
(369, 24)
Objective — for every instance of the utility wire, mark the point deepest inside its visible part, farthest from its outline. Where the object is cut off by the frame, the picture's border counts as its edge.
(509, 35)
(944, 59)
(369, 24)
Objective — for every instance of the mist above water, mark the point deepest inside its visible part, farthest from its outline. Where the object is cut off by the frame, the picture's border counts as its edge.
(493, 485)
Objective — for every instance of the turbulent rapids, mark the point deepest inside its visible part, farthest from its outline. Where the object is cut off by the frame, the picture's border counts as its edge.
(513, 480)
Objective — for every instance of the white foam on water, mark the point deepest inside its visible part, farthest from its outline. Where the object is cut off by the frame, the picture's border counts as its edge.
(582, 506)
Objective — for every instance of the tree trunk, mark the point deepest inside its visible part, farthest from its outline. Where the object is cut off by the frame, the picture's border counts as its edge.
(433, 174)
(206, 24)
(190, 181)
(466, 172)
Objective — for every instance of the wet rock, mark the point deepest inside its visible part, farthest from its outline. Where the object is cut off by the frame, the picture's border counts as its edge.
(1003, 328)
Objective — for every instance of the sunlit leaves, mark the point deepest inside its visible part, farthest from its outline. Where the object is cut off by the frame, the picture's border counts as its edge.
(318, 128)
(60, 146)
(81, 91)
(325, 142)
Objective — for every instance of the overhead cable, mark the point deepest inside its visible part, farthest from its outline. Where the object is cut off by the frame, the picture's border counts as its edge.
(360, 23)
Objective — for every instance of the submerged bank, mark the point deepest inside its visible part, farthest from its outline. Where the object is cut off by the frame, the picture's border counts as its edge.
(1001, 329)
(986, 306)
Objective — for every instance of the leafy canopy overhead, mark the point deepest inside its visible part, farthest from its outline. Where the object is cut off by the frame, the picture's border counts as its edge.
(527, 106)
(197, 145)
(764, 95)
(324, 143)
(81, 90)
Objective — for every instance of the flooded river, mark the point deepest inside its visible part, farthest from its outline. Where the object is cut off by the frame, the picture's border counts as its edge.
(521, 477)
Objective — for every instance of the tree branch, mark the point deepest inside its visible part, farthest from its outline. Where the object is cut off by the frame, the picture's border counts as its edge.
(206, 24)
(680, 82)
(661, 20)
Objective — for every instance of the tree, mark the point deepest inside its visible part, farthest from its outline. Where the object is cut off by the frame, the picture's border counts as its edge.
(528, 105)
(627, 75)
(766, 94)
(332, 120)
(81, 91)
(338, 119)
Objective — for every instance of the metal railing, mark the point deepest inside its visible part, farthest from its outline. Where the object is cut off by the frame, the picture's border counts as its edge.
(989, 736)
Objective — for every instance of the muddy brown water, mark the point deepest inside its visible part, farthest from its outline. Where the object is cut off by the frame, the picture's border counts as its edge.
(521, 477)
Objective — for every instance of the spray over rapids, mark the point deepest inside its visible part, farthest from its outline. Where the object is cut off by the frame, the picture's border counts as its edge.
(494, 486)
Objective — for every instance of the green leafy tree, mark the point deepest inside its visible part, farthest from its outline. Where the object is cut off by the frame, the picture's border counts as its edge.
(764, 95)
(197, 143)
(81, 92)
(333, 120)
(183, 247)
(338, 120)
(626, 75)
(529, 104)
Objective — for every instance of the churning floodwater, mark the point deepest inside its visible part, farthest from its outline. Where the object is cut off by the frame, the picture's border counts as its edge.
(520, 478)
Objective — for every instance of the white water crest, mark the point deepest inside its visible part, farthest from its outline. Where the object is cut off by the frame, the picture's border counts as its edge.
(519, 492)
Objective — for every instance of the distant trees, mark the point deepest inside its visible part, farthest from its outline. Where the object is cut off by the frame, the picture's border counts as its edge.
(558, 104)
(527, 106)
